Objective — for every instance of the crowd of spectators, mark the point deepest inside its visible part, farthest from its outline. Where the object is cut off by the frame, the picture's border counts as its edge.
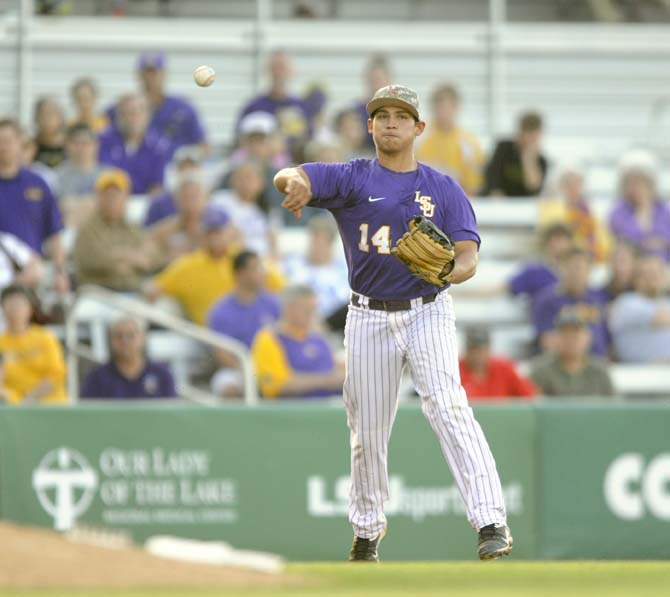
(208, 246)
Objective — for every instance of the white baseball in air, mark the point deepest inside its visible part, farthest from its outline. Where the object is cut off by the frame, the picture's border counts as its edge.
(204, 75)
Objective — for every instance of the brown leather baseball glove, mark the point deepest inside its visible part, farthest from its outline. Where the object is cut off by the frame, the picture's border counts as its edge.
(427, 251)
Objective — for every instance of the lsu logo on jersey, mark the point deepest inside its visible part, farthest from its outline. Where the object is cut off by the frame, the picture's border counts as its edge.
(426, 204)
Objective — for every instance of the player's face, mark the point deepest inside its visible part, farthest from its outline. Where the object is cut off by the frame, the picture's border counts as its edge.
(394, 130)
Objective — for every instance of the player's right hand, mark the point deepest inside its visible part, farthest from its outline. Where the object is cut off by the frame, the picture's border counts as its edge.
(297, 195)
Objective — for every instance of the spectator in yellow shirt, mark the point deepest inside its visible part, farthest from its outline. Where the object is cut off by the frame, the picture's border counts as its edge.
(199, 278)
(7, 396)
(291, 358)
(569, 205)
(449, 148)
(34, 368)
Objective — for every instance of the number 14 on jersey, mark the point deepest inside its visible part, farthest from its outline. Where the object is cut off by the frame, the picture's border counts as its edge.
(380, 239)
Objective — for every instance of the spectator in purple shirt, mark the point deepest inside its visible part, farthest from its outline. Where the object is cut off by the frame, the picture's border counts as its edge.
(535, 276)
(572, 291)
(129, 374)
(640, 217)
(173, 118)
(240, 315)
(129, 145)
(291, 112)
(28, 208)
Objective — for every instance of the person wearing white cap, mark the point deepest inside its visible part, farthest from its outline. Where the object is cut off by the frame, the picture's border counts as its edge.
(290, 111)
(640, 217)
(260, 143)
(186, 160)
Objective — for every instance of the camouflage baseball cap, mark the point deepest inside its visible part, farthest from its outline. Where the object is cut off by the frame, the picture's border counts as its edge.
(395, 95)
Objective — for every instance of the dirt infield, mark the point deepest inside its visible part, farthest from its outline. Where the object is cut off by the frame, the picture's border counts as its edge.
(35, 558)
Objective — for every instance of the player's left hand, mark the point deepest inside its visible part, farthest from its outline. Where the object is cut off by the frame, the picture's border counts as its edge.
(297, 196)
(427, 251)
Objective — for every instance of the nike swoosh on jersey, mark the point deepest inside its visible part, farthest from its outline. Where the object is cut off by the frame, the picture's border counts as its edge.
(372, 199)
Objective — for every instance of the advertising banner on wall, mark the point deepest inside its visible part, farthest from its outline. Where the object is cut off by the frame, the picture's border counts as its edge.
(605, 481)
(273, 478)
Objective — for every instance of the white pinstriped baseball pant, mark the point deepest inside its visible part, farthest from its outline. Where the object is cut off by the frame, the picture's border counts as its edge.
(379, 344)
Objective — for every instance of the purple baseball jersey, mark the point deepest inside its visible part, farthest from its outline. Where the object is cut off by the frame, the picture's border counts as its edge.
(373, 205)
(106, 381)
(145, 166)
(551, 301)
(242, 321)
(625, 225)
(311, 355)
(28, 209)
(177, 121)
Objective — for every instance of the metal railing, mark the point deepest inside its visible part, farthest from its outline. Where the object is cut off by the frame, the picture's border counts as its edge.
(155, 315)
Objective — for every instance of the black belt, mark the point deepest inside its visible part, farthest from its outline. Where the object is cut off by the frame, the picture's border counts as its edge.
(399, 305)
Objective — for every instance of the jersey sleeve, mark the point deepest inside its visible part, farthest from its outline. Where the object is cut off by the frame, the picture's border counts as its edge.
(271, 364)
(460, 222)
(332, 184)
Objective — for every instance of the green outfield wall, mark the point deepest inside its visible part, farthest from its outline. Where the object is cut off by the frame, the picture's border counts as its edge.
(580, 480)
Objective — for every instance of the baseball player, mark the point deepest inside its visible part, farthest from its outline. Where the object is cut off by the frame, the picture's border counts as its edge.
(397, 219)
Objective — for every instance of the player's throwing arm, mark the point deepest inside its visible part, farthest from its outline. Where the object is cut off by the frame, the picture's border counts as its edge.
(294, 183)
